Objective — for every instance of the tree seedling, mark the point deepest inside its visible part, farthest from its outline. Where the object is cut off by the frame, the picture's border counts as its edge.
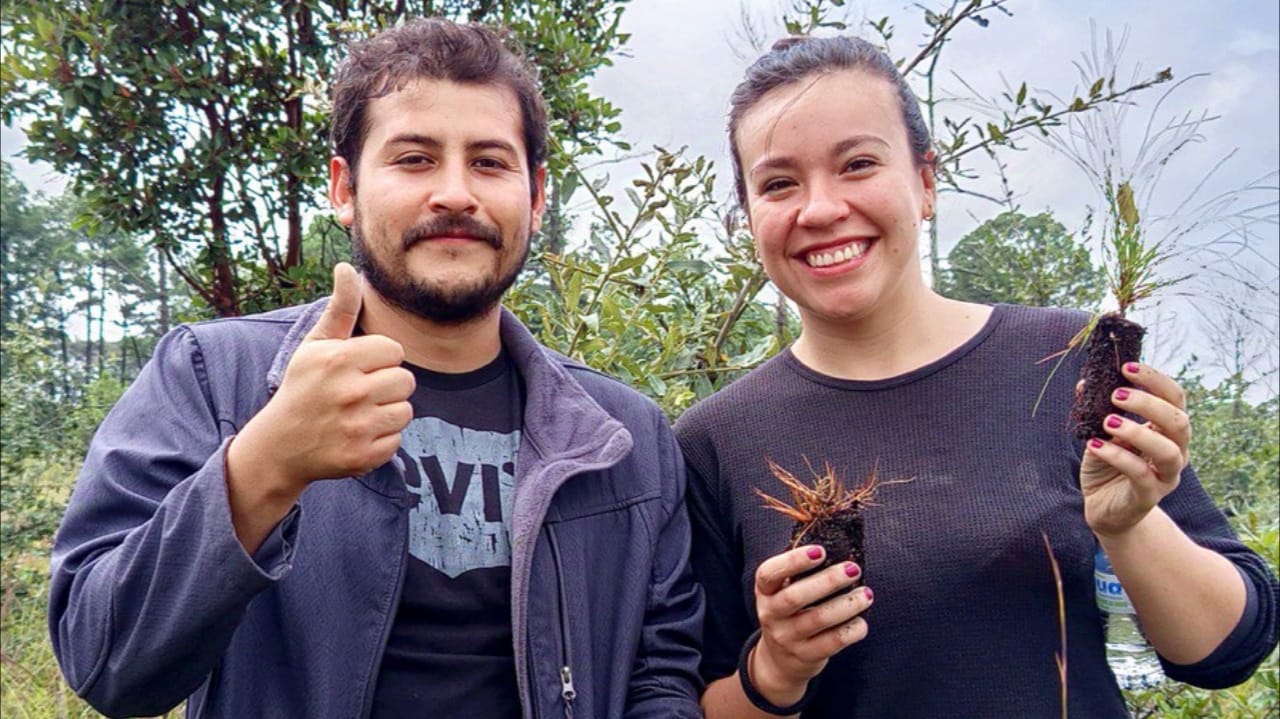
(1112, 339)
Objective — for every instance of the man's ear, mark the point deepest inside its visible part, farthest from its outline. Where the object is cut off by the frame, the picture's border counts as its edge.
(342, 193)
(539, 181)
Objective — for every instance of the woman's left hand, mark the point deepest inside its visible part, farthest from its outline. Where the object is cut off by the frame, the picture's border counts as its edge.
(1124, 476)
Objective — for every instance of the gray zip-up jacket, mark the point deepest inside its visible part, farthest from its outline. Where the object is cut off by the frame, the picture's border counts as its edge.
(153, 600)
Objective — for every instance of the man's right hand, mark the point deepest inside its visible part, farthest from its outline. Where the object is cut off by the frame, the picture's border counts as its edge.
(338, 412)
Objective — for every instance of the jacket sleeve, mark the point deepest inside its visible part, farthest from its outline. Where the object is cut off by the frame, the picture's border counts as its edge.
(148, 579)
(1256, 634)
(664, 678)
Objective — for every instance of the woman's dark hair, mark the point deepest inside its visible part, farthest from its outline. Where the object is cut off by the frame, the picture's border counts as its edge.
(434, 49)
(794, 58)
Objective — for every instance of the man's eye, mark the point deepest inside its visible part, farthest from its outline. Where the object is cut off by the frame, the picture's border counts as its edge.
(413, 160)
(490, 163)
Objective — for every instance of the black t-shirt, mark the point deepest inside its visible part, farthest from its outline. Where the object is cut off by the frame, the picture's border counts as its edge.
(966, 619)
(450, 650)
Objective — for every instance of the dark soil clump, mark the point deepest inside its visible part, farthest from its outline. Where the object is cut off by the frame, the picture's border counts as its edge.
(840, 535)
(1113, 342)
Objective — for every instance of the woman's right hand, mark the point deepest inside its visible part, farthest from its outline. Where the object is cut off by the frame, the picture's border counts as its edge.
(797, 639)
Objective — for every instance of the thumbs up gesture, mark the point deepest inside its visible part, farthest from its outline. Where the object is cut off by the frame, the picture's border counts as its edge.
(339, 318)
(339, 409)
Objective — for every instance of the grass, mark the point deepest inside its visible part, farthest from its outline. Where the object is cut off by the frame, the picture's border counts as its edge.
(31, 686)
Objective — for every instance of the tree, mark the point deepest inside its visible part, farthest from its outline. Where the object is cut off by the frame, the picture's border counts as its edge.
(1021, 259)
(69, 289)
(19, 258)
(42, 268)
(1236, 454)
(200, 125)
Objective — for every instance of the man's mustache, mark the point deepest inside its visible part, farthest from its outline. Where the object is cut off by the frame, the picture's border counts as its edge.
(453, 226)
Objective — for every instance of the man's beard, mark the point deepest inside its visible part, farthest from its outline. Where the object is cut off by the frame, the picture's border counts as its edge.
(439, 304)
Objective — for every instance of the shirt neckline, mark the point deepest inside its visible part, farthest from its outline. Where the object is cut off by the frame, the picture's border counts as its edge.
(998, 313)
(454, 382)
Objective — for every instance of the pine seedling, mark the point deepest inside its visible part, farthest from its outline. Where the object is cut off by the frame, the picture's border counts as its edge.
(1111, 338)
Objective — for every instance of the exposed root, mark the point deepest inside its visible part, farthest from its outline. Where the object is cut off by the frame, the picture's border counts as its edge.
(826, 498)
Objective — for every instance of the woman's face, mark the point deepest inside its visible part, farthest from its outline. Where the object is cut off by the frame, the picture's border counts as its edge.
(834, 196)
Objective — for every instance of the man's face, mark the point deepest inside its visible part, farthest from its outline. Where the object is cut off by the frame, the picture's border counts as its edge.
(441, 212)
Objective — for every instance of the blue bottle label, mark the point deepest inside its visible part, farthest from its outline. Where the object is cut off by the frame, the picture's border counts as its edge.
(1110, 595)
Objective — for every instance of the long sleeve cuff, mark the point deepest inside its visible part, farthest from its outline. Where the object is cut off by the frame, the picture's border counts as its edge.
(1235, 659)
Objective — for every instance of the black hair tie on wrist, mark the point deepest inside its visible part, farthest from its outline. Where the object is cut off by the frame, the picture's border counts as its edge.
(755, 697)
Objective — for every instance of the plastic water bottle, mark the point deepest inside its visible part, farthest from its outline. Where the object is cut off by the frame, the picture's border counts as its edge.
(1131, 656)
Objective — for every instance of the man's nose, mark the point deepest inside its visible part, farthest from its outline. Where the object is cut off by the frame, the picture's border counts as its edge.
(453, 191)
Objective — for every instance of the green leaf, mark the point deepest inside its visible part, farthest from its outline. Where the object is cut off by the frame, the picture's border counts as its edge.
(1126, 205)
(1096, 88)
(629, 263)
(568, 184)
(656, 385)
(44, 30)
(699, 266)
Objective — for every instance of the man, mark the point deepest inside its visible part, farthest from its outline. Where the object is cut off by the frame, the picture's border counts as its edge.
(395, 503)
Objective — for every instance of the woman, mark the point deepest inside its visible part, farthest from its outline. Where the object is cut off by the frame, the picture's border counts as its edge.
(835, 171)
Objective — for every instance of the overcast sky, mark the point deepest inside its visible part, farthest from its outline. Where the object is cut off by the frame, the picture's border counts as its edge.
(684, 57)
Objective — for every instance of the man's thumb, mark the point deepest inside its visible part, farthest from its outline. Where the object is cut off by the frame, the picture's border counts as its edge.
(339, 317)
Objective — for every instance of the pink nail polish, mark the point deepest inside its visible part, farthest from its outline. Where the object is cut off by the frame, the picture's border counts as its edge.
(1122, 394)
(1114, 422)
(870, 594)
(815, 553)
(851, 570)
(1095, 443)
(1131, 367)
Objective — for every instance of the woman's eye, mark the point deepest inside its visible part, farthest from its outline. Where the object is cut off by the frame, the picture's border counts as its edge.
(861, 163)
(775, 186)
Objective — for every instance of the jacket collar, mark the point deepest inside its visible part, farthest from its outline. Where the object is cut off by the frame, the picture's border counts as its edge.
(561, 420)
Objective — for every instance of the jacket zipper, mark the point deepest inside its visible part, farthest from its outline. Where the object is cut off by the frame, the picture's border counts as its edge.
(567, 691)
(387, 622)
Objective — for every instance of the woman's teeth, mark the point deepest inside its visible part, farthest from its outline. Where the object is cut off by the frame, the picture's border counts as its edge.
(831, 257)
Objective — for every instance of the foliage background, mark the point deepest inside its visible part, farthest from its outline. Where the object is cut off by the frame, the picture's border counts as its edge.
(194, 152)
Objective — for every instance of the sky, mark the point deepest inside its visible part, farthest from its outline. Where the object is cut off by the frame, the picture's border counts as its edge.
(673, 79)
